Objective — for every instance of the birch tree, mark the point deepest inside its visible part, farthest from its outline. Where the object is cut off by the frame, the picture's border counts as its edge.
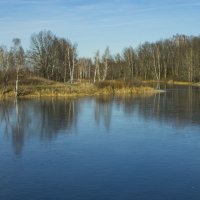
(19, 57)
(96, 69)
(71, 52)
(106, 58)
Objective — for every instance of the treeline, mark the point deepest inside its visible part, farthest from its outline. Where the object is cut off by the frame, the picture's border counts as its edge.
(54, 58)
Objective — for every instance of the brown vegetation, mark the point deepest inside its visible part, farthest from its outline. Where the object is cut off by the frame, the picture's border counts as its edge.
(40, 87)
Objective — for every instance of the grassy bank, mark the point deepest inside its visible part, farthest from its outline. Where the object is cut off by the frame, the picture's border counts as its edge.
(39, 87)
(186, 83)
(171, 82)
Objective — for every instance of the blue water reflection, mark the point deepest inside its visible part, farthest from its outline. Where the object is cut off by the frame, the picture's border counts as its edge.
(101, 147)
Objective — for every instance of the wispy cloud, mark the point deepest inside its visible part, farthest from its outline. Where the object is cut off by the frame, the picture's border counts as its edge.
(113, 21)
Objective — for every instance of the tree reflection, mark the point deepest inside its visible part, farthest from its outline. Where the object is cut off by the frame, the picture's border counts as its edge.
(14, 117)
(103, 109)
(56, 116)
(178, 106)
(22, 119)
(45, 119)
(18, 128)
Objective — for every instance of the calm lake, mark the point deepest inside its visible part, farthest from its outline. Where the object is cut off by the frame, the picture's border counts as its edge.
(144, 148)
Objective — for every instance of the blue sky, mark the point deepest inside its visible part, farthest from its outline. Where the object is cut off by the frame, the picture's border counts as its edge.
(96, 24)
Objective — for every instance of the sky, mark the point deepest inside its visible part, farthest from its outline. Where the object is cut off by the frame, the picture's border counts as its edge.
(96, 24)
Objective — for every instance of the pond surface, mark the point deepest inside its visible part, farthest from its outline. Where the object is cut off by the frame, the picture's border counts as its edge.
(145, 148)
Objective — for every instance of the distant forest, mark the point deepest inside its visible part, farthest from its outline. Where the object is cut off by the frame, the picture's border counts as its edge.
(54, 58)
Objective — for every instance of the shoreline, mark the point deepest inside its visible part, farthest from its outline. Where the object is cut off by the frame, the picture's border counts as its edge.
(59, 90)
(50, 89)
(171, 82)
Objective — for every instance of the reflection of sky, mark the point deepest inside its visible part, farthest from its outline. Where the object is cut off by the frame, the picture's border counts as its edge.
(133, 156)
(48, 121)
(96, 24)
(138, 115)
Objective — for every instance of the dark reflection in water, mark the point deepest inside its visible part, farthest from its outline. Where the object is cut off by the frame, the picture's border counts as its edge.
(103, 109)
(42, 118)
(179, 106)
(102, 147)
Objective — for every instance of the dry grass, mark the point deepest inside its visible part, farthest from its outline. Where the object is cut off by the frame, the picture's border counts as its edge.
(121, 88)
(184, 83)
(172, 82)
(128, 91)
(39, 87)
(181, 83)
(197, 84)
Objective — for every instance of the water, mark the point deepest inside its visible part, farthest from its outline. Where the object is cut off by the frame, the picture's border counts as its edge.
(102, 148)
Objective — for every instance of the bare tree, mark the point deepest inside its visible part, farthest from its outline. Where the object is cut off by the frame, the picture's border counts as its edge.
(129, 57)
(19, 55)
(106, 58)
(41, 52)
(71, 52)
(96, 70)
(84, 68)
(4, 66)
